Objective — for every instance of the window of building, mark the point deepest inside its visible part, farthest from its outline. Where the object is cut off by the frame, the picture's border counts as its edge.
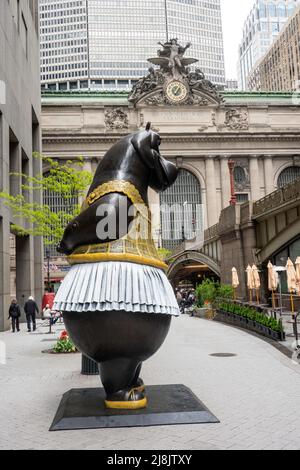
(239, 175)
(289, 175)
(73, 85)
(262, 10)
(63, 86)
(25, 172)
(241, 198)
(281, 10)
(272, 10)
(58, 204)
(14, 164)
(180, 210)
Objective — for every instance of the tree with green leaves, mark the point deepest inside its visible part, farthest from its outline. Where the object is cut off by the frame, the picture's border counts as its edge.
(69, 181)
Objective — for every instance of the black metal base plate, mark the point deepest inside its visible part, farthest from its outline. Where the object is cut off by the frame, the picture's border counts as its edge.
(84, 408)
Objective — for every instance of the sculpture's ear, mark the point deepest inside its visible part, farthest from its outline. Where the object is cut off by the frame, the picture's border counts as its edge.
(142, 145)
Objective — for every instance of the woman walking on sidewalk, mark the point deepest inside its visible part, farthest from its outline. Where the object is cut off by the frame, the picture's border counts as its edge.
(14, 314)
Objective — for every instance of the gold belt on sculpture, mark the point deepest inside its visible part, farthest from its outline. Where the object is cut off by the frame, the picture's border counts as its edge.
(135, 250)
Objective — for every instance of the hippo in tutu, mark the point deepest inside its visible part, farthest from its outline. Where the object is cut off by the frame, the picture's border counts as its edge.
(116, 300)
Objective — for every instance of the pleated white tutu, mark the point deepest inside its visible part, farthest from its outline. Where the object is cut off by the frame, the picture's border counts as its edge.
(113, 285)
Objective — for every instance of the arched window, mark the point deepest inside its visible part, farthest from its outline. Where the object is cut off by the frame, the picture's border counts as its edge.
(181, 210)
(239, 175)
(57, 203)
(289, 175)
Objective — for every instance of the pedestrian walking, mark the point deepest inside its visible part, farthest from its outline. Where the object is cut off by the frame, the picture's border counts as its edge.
(14, 315)
(31, 310)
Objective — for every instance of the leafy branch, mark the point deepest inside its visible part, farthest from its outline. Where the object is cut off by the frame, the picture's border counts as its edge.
(69, 181)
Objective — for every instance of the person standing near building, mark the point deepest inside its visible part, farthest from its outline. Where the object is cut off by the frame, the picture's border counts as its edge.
(14, 314)
(31, 310)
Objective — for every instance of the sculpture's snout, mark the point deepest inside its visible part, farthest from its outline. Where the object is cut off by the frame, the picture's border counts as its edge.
(62, 248)
(170, 172)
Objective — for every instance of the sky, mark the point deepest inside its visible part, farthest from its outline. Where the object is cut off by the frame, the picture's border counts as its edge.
(234, 14)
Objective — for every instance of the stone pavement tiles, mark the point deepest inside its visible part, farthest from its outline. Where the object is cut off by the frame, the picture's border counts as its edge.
(255, 394)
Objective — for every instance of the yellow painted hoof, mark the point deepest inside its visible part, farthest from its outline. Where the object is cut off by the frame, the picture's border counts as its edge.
(140, 389)
(126, 405)
(139, 386)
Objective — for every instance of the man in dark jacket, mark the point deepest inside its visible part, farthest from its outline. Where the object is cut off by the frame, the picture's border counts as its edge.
(31, 309)
(14, 314)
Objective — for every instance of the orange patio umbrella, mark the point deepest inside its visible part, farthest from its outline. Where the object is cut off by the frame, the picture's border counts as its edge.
(235, 281)
(291, 281)
(272, 281)
(256, 281)
(250, 283)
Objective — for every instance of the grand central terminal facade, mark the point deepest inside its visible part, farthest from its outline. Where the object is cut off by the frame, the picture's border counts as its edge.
(201, 129)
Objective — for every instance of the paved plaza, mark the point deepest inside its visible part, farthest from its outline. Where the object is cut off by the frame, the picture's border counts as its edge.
(255, 394)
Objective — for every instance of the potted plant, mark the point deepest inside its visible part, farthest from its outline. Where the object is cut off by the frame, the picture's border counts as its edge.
(249, 317)
(64, 345)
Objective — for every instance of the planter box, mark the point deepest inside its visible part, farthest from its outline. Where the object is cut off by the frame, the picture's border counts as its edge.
(200, 312)
(241, 322)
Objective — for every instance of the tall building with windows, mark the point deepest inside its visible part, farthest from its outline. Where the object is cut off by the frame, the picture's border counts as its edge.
(264, 23)
(279, 69)
(104, 44)
(21, 257)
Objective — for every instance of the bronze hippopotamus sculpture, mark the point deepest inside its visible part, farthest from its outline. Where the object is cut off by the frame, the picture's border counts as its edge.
(116, 300)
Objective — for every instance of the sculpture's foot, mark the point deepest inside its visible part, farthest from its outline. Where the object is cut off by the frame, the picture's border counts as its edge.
(139, 386)
(126, 400)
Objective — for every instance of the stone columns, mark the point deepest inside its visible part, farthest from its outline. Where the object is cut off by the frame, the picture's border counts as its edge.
(269, 174)
(225, 181)
(87, 165)
(211, 192)
(254, 178)
(94, 165)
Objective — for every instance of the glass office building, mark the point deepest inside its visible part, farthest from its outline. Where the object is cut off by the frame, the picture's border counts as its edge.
(102, 44)
(263, 25)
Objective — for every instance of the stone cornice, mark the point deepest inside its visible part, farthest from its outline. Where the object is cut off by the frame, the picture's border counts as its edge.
(175, 138)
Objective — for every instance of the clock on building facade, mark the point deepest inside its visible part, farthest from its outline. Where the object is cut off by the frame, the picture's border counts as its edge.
(176, 91)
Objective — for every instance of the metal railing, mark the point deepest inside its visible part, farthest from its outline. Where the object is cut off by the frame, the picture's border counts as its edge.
(288, 193)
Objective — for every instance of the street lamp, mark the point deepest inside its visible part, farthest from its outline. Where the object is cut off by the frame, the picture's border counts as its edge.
(233, 200)
(183, 222)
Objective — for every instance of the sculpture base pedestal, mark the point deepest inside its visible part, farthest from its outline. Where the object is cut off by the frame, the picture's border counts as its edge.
(84, 408)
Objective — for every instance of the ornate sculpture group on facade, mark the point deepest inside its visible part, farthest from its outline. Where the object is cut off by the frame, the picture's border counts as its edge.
(116, 119)
(174, 82)
(237, 119)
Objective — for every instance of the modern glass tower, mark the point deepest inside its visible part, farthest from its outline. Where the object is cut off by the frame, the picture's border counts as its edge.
(264, 23)
(106, 43)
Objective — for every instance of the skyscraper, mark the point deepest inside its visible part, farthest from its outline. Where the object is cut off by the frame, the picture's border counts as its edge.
(64, 43)
(264, 23)
(105, 43)
(279, 69)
